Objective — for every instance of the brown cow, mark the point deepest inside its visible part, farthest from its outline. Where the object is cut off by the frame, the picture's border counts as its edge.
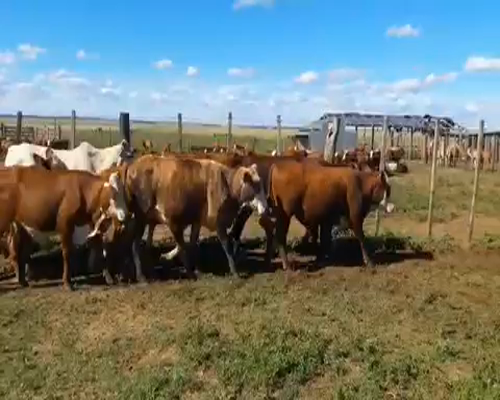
(67, 202)
(318, 196)
(183, 192)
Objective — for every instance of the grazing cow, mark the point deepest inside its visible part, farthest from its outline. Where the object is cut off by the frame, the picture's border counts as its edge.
(394, 153)
(85, 157)
(319, 195)
(76, 204)
(183, 192)
(484, 157)
(453, 154)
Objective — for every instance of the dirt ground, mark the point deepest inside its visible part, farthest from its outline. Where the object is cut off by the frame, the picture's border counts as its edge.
(425, 324)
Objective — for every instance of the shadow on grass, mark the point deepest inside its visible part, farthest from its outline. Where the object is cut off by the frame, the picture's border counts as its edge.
(211, 259)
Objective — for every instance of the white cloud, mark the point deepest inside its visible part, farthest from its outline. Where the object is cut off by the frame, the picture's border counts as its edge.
(403, 31)
(84, 55)
(241, 72)
(482, 64)
(30, 52)
(432, 79)
(307, 77)
(59, 91)
(192, 71)
(163, 64)
(7, 58)
(472, 108)
(345, 74)
(239, 4)
(67, 79)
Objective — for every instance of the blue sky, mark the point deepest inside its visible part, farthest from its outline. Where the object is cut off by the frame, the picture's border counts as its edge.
(257, 58)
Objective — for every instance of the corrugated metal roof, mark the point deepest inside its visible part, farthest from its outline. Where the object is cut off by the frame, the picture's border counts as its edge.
(417, 122)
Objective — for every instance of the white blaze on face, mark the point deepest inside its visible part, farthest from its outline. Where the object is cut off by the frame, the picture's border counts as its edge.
(117, 205)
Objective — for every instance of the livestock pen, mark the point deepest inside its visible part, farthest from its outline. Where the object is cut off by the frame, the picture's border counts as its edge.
(423, 326)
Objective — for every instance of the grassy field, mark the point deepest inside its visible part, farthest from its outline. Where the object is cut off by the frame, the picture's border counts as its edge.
(424, 326)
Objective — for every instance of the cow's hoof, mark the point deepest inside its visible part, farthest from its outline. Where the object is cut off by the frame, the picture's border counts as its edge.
(23, 284)
(68, 287)
(108, 279)
(193, 276)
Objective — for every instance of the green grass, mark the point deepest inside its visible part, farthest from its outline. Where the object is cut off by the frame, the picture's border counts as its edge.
(411, 331)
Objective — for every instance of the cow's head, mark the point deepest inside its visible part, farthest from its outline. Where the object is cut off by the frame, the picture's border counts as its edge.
(381, 192)
(251, 189)
(112, 206)
(53, 160)
(125, 152)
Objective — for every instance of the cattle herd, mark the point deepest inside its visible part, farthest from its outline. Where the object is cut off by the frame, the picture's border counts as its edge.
(104, 198)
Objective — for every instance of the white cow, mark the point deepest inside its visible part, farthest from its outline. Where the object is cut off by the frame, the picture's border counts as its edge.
(85, 157)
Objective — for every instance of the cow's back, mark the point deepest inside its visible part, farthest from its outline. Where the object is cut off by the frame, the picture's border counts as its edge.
(175, 185)
(22, 154)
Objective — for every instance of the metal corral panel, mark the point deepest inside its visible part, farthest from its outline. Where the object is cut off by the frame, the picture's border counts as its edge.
(347, 139)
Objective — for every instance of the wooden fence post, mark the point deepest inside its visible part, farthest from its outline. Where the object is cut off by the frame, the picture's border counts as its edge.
(124, 127)
(432, 188)
(55, 128)
(278, 135)
(73, 129)
(494, 152)
(179, 130)
(19, 126)
(476, 183)
(381, 169)
(229, 139)
(411, 144)
(373, 138)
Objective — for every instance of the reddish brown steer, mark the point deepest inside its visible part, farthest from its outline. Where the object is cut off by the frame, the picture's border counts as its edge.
(70, 203)
(319, 196)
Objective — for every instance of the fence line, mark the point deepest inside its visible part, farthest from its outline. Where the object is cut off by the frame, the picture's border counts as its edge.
(410, 141)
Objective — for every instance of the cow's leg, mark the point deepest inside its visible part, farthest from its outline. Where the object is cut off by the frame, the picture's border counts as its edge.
(66, 244)
(282, 225)
(238, 224)
(20, 256)
(357, 227)
(137, 234)
(193, 243)
(149, 238)
(324, 246)
(178, 234)
(267, 224)
(227, 246)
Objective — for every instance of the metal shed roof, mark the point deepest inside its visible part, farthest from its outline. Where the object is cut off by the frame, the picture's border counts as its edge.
(417, 122)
